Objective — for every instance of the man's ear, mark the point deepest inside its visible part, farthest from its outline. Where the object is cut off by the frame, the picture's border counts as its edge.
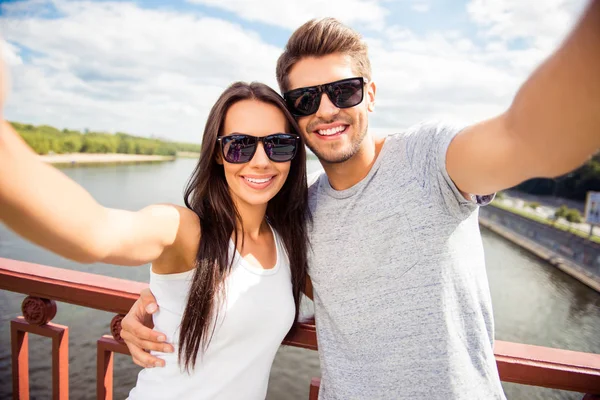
(371, 90)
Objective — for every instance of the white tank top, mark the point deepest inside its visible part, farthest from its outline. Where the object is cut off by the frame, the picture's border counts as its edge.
(257, 313)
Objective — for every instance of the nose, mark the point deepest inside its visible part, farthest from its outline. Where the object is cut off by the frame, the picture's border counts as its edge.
(326, 109)
(260, 159)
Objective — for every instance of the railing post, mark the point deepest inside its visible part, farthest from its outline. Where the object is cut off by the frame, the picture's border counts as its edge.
(315, 384)
(106, 347)
(37, 314)
(20, 362)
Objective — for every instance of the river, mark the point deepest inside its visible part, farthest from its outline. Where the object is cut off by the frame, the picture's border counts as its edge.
(533, 302)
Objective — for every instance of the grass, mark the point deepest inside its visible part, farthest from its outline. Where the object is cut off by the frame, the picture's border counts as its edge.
(560, 226)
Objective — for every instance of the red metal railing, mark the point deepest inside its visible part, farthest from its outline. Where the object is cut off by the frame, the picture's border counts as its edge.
(519, 363)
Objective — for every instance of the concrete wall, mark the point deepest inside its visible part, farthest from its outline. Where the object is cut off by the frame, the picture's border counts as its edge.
(583, 252)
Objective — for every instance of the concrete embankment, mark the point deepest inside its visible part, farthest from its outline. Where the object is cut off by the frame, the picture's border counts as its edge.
(91, 158)
(572, 254)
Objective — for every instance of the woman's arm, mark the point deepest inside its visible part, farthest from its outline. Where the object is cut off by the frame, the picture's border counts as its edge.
(43, 205)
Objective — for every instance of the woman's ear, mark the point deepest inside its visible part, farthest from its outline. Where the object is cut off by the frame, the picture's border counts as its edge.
(219, 158)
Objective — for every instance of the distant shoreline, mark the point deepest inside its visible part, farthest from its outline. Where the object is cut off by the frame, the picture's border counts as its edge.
(187, 154)
(95, 158)
(567, 266)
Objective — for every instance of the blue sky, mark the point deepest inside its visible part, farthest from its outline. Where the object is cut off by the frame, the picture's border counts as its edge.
(156, 67)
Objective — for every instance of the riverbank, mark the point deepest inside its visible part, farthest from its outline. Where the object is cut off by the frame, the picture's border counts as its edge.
(544, 215)
(94, 158)
(188, 154)
(567, 266)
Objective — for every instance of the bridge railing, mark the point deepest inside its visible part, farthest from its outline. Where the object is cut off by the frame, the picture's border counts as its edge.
(44, 285)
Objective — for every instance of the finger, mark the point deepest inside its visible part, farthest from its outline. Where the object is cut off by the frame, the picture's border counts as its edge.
(134, 336)
(136, 362)
(148, 301)
(140, 332)
(144, 359)
(147, 345)
(135, 323)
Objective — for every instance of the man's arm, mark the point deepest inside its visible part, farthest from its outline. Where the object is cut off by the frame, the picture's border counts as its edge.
(136, 331)
(551, 128)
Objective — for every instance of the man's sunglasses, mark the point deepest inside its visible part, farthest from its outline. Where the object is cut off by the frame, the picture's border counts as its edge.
(239, 148)
(343, 94)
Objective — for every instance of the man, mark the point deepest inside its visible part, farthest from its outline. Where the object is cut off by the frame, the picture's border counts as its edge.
(402, 304)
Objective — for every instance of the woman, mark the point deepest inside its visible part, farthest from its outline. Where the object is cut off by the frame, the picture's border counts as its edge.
(227, 270)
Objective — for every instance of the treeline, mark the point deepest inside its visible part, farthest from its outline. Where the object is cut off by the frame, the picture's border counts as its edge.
(574, 185)
(44, 139)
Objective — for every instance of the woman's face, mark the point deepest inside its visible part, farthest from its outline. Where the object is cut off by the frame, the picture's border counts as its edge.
(259, 180)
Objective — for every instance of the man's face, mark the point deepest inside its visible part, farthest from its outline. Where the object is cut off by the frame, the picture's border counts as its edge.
(333, 134)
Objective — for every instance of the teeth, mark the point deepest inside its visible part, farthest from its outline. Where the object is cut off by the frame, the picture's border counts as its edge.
(254, 180)
(332, 131)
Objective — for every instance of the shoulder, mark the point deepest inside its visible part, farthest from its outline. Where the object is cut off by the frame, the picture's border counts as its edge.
(186, 215)
(429, 130)
(189, 226)
(427, 141)
(180, 256)
(313, 179)
(182, 216)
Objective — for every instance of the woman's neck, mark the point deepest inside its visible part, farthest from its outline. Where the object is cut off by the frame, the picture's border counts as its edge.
(253, 222)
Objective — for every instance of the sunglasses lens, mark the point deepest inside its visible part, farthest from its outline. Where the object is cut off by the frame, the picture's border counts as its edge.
(281, 147)
(343, 94)
(303, 101)
(347, 93)
(238, 148)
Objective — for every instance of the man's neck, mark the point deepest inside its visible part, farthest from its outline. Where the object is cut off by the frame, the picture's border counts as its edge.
(344, 175)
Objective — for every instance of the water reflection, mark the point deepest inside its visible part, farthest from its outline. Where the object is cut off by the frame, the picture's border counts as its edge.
(533, 302)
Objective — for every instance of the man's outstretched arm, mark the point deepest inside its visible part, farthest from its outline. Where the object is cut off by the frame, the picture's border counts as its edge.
(552, 126)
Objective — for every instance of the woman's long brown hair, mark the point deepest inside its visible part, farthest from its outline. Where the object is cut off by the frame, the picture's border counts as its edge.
(207, 194)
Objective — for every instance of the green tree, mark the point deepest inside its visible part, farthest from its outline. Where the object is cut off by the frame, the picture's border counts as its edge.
(560, 212)
(71, 144)
(126, 146)
(573, 217)
(45, 138)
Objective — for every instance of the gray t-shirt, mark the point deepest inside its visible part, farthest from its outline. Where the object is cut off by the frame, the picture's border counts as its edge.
(402, 301)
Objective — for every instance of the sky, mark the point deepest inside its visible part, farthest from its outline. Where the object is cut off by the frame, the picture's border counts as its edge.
(154, 68)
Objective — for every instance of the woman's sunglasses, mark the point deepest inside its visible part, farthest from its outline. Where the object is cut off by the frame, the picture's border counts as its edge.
(239, 148)
(343, 94)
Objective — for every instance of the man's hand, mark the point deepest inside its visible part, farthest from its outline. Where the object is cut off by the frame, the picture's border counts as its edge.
(138, 334)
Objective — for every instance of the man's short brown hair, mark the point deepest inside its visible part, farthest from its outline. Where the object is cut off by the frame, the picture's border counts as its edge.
(321, 37)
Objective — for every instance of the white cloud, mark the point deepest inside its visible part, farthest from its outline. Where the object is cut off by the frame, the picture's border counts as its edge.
(445, 75)
(118, 67)
(434, 77)
(543, 23)
(10, 53)
(421, 6)
(115, 66)
(292, 14)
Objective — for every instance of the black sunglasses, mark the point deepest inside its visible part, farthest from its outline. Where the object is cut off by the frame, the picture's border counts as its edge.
(240, 148)
(343, 94)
